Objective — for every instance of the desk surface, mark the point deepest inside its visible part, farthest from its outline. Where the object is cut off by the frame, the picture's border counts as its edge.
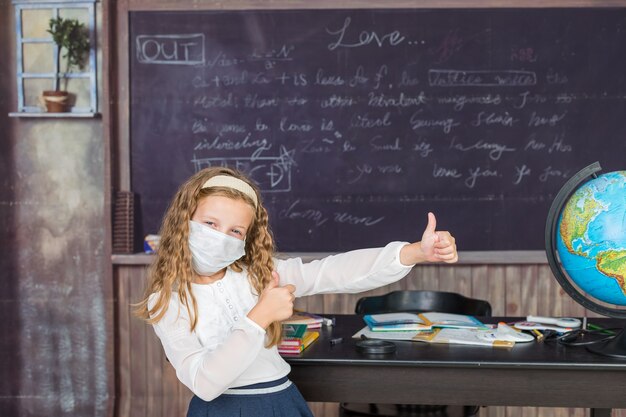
(529, 374)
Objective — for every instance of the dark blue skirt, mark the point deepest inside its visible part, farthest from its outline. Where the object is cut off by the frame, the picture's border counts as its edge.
(278, 398)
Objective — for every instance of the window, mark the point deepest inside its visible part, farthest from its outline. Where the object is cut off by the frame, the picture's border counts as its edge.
(37, 57)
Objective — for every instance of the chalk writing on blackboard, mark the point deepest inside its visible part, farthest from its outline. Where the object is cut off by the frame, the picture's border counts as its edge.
(456, 78)
(170, 49)
(353, 122)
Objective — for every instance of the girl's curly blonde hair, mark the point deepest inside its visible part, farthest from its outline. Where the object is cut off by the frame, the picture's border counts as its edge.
(172, 271)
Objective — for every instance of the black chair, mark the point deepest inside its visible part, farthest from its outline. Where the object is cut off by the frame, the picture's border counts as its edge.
(416, 301)
(419, 301)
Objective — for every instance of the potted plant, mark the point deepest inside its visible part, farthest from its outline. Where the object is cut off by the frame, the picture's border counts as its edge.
(71, 37)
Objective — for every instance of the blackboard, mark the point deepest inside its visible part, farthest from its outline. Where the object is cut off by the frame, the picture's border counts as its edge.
(355, 123)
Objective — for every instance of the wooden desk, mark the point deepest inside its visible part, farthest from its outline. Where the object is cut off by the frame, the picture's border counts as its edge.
(530, 374)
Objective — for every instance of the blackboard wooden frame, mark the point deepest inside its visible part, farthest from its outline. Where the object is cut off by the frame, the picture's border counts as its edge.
(120, 163)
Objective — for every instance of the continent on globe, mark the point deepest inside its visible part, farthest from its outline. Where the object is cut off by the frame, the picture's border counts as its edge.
(579, 211)
(613, 264)
(591, 238)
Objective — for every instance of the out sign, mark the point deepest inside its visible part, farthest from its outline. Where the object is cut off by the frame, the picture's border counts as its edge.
(171, 49)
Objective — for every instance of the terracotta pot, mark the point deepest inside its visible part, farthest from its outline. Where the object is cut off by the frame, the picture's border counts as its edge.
(55, 101)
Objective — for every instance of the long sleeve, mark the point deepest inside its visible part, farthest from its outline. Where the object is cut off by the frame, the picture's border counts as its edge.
(208, 370)
(349, 272)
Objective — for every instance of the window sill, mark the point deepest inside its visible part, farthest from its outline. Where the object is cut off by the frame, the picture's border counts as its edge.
(68, 115)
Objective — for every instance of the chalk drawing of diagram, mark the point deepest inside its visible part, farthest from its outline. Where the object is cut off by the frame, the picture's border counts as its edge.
(271, 173)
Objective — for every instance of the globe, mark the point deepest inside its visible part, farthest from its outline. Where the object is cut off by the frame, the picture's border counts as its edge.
(586, 244)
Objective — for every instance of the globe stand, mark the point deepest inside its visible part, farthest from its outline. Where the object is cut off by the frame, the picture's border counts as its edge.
(614, 348)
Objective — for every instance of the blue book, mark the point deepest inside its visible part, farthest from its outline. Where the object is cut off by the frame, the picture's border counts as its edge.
(388, 322)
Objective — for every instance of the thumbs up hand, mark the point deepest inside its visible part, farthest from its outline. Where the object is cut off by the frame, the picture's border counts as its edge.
(275, 303)
(434, 247)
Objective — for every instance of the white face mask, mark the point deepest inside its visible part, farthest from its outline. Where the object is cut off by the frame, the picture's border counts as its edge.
(212, 250)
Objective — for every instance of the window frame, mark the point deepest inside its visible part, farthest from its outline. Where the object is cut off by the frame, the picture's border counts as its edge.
(55, 6)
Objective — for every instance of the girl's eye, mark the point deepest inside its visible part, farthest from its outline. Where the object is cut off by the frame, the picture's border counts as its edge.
(209, 223)
(237, 232)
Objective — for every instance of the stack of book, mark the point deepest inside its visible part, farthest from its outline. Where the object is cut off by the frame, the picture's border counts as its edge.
(296, 338)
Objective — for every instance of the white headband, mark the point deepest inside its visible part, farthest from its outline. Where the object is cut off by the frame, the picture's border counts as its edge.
(231, 182)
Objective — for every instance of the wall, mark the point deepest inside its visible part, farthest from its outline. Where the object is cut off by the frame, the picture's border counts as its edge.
(9, 301)
(56, 307)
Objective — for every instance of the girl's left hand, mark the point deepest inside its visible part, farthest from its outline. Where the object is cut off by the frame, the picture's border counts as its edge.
(434, 247)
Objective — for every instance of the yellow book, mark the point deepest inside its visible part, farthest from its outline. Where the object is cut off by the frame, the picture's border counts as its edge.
(309, 337)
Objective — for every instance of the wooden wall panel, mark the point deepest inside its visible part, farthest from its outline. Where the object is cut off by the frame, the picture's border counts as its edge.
(124, 393)
(526, 285)
(147, 384)
(138, 354)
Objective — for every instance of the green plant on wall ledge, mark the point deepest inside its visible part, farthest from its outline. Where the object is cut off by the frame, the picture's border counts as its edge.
(72, 38)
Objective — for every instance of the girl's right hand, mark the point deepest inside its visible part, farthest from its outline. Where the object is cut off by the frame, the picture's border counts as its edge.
(275, 303)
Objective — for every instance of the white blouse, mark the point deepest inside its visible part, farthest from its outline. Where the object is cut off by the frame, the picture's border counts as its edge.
(227, 349)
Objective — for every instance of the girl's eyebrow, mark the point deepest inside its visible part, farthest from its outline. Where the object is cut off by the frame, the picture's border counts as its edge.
(208, 217)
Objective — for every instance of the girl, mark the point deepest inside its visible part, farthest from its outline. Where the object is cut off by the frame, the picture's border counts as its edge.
(216, 295)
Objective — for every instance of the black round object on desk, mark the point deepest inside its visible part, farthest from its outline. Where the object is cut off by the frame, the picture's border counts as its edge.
(375, 347)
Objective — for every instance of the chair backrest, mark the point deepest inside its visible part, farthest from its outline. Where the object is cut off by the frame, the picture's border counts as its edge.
(418, 301)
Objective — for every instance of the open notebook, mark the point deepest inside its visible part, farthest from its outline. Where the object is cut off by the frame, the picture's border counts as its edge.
(390, 322)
